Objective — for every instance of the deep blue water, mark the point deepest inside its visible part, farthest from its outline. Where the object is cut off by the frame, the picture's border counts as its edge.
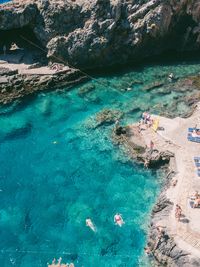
(57, 169)
(4, 1)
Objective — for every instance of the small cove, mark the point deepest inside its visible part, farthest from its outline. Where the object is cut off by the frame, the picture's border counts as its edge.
(57, 170)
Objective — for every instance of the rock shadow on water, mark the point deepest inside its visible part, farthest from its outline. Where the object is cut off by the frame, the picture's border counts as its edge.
(11, 108)
(18, 133)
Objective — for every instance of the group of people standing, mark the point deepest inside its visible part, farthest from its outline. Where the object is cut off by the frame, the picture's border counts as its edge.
(146, 121)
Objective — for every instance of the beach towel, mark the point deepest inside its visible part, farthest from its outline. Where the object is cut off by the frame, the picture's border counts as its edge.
(155, 125)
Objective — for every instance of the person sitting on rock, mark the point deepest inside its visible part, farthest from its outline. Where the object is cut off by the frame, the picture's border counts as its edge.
(117, 124)
(196, 203)
(174, 182)
(147, 250)
(144, 117)
(196, 200)
(160, 230)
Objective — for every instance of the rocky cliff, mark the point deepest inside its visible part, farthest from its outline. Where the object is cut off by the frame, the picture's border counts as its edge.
(96, 33)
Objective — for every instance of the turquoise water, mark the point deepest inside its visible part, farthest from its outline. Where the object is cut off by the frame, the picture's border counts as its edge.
(57, 169)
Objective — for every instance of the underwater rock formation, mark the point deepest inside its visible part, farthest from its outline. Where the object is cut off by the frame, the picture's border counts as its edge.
(108, 116)
(90, 34)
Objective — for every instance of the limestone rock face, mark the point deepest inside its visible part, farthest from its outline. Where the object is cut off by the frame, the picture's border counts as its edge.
(97, 33)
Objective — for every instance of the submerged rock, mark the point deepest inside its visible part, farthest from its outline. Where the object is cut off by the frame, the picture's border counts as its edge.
(108, 116)
(84, 90)
(153, 86)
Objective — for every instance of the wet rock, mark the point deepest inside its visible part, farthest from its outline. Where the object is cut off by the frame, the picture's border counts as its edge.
(7, 72)
(153, 86)
(16, 86)
(85, 90)
(194, 80)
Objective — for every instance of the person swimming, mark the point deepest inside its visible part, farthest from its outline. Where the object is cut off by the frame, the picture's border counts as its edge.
(90, 224)
(118, 220)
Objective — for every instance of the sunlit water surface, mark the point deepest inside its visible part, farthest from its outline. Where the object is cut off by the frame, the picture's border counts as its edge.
(57, 170)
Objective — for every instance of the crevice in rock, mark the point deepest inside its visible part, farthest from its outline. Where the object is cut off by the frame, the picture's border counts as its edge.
(22, 46)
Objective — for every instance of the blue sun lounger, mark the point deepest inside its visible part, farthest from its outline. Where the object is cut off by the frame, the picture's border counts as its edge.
(193, 139)
(197, 161)
(190, 130)
(198, 173)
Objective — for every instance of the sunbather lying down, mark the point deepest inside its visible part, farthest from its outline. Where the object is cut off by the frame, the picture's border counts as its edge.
(196, 199)
(196, 203)
(195, 133)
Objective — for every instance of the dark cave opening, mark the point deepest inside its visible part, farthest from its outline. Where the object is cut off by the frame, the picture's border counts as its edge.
(21, 45)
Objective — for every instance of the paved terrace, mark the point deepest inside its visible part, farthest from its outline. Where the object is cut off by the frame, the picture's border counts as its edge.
(174, 139)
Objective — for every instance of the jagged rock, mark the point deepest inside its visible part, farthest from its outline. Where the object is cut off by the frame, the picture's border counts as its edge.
(161, 204)
(15, 86)
(120, 130)
(7, 72)
(3, 80)
(94, 33)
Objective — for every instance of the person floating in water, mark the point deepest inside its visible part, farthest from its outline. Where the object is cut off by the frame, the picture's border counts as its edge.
(118, 220)
(90, 224)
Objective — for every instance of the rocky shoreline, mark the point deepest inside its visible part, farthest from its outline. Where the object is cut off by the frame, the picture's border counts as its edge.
(161, 243)
(14, 85)
(92, 34)
(164, 248)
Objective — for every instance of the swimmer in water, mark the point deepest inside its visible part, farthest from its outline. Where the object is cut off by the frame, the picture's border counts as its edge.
(90, 224)
(118, 220)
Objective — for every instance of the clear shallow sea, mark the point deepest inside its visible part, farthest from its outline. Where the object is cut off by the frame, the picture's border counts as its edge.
(56, 170)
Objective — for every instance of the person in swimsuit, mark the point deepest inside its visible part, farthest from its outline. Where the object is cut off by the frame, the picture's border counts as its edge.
(118, 219)
(178, 212)
(90, 224)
